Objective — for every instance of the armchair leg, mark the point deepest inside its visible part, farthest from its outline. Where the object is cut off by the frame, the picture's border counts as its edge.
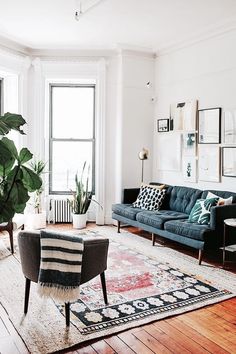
(153, 239)
(118, 227)
(200, 254)
(67, 311)
(27, 292)
(104, 289)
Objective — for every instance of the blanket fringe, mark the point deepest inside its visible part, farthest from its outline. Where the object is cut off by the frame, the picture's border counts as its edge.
(58, 292)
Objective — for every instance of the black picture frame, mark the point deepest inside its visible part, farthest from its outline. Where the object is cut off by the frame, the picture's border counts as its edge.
(163, 125)
(229, 162)
(209, 125)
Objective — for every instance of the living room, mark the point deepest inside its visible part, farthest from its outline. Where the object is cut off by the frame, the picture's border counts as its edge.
(150, 69)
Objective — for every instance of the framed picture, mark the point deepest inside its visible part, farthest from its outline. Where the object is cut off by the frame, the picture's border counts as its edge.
(162, 125)
(209, 126)
(169, 152)
(209, 163)
(230, 127)
(189, 144)
(183, 115)
(189, 169)
(229, 161)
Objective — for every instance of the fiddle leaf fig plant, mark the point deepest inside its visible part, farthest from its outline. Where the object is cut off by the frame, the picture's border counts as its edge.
(16, 179)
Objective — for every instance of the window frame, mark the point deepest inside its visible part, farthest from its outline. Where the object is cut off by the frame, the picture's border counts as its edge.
(51, 139)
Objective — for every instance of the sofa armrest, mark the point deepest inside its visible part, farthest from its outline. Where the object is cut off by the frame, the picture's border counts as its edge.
(218, 215)
(130, 195)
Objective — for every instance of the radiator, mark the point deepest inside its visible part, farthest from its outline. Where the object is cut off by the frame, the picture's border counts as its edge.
(60, 211)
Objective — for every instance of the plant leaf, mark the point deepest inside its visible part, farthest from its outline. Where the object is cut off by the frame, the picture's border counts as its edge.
(30, 179)
(25, 155)
(11, 121)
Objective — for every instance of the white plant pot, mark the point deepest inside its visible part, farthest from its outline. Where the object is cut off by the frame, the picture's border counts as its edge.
(79, 221)
(36, 221)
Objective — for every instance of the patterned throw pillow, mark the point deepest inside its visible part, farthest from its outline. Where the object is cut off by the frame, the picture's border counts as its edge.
(221, 201)
(150, 198)
(200, 213)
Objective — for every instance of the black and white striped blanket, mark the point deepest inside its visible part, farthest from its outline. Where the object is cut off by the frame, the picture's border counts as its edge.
(60, 266)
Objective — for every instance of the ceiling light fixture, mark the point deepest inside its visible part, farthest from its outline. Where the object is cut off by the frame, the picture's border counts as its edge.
(78, 10)
(78, 7)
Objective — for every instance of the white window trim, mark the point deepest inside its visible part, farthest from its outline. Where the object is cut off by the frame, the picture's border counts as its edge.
(80, 72)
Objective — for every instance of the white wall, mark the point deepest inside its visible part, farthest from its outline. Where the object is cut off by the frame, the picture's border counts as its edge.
(205, 71)
(129, 123)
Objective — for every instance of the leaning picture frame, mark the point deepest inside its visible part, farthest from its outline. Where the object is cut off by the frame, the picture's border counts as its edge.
(163, 125)
(209, 163)
(229, 161)
(183, 116)
(230, 127)
(209, 126)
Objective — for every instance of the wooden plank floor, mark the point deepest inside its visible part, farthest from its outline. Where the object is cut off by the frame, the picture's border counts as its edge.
(208, 330)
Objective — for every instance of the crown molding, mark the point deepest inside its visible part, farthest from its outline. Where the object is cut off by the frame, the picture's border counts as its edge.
(213, 31)
(13, 47)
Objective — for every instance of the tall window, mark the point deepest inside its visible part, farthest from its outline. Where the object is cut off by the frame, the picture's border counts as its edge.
(72, 135)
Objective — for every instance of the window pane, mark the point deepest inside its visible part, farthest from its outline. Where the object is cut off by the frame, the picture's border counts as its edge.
(68, 159)
(72, 112)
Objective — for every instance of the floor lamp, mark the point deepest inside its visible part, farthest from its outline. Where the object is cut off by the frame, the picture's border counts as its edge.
(143, 155)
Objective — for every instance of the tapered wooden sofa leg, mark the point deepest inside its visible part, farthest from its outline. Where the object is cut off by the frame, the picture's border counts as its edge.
(153, 239)
(27, 292)
(200, 255)
(67, 311)
(118, 227)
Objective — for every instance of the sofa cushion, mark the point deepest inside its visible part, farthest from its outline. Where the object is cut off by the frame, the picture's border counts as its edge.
(158, 218)
(182, 199)
(126, 210)
(150, 197)
(200, 213)
(187, 229)
(221, 194)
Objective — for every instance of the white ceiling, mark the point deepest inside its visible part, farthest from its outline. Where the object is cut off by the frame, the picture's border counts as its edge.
(154, 24)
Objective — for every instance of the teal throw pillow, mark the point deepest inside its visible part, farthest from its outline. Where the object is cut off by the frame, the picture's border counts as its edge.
(200, 213)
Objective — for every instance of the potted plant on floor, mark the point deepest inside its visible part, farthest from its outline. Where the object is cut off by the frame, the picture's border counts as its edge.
(37, 219)
(82, 198)
(16, 179)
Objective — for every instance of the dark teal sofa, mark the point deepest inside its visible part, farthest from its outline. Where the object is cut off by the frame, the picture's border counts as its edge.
(171, 221)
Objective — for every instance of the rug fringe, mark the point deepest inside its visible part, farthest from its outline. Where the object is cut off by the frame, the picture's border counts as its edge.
(58, 292)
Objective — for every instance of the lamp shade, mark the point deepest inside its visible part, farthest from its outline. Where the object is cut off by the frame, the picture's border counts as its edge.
(143, 154)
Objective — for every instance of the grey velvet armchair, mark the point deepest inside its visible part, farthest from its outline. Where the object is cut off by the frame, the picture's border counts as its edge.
(94, 262)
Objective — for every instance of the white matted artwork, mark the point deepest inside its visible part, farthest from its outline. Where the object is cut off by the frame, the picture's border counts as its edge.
(183, 115)
(189, 144)
(169, 152)
(189, 169)
(209, 163)
(209, 126)
(230, 127)
(229, 161)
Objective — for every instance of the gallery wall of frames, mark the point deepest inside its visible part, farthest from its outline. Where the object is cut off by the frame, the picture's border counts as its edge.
(205, 140)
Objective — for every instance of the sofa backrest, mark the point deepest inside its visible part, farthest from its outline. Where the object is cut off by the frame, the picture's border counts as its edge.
(182, 199)
(222, 194)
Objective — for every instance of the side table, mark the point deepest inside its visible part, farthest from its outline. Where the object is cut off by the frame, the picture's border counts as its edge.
(230, 248)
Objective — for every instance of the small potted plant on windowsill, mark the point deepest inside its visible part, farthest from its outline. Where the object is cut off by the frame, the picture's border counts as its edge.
(82, 198)
(37, 219)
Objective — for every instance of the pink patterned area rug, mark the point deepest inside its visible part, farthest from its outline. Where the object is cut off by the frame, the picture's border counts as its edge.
(139, 287)
(144, 284)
